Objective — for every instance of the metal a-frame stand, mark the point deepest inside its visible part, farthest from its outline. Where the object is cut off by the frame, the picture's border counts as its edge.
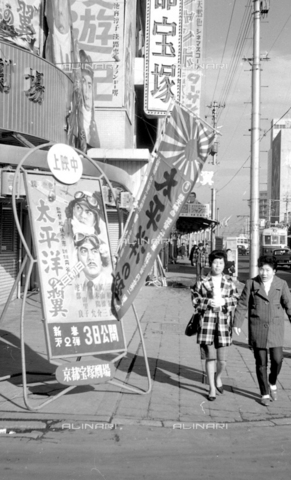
(31, 262)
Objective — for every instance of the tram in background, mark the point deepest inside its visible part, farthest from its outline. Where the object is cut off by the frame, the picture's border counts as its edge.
(243, 244)
(273, 238)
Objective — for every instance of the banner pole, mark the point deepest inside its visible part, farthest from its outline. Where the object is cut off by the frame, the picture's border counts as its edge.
(199, 118)
(127, 387)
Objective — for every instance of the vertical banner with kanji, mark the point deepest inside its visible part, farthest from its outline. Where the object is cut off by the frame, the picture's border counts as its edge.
(180, 158)
(191, 72)
(162, 55)
(70, 235)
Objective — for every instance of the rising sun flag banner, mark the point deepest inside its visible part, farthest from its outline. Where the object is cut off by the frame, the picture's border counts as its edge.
(180, 158)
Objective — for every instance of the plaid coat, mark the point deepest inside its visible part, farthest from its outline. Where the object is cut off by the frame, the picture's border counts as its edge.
(215, 327)
(265, 312)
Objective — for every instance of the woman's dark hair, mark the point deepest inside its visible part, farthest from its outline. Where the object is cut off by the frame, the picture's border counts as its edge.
(217, 254)
(267, 260)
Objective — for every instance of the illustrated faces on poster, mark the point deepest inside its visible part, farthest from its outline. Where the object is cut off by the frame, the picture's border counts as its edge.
(84, 215)
(87, 88)
(89, 255)
(61, 15)
(84, 209)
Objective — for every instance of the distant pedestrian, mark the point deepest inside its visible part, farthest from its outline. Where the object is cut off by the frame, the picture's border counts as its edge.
(192, 256)
(172, 252)
(182, 251)
(215, 298)
(229, 268)
(200, 261)
(265, 298)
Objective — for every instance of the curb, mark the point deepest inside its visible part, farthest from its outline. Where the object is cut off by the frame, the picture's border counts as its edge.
(37, 428)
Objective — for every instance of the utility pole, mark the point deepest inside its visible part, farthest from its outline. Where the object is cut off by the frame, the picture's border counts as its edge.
(213, 195)
(258, 7)
(214, 108)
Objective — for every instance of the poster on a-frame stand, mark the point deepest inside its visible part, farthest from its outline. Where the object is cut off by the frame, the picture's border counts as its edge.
(72, 252)
(75, 266)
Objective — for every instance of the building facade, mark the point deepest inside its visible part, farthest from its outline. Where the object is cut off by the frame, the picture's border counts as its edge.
(41, 102)
(279, 172)
(264, 210)
(73, 73)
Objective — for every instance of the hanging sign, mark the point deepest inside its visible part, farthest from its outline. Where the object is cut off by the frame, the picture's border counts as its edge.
(162, 55)
(70, 234)
(64, 163)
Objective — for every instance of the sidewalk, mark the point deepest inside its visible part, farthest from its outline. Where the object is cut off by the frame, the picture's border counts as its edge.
(178, 395)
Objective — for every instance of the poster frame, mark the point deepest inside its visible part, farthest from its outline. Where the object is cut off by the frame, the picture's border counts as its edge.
(31, 261)
(28, 175)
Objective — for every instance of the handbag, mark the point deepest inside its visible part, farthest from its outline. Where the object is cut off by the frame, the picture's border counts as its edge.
(193, 325)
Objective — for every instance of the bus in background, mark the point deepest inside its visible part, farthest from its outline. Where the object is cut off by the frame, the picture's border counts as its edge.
(273, 238)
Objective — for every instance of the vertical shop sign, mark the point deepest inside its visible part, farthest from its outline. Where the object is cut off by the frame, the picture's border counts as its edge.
(98, 26)
(162, 55)
(74, 262)
(191, 72)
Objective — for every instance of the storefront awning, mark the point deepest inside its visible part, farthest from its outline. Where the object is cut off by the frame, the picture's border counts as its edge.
(194, 224)
(12, 155)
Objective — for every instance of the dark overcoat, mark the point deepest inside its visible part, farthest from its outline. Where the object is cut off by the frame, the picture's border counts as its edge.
(265, 312)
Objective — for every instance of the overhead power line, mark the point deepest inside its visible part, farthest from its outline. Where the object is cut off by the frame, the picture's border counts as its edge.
(265, 133)
(279, 33)
(221, 61)
(237, 53)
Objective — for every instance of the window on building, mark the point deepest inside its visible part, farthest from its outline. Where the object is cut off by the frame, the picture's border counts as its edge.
(282, 239)
(7, 226)
(275, 240)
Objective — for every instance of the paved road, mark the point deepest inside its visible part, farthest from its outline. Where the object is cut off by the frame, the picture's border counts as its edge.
(150, 453)
(173, 432)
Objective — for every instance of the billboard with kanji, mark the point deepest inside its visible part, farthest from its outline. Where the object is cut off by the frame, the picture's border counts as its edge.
(70, 234)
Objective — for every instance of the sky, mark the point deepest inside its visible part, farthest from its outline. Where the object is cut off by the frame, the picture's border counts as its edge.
(222, 23)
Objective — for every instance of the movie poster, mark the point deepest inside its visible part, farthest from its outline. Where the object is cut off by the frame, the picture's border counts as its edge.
(21, 23)
(70, 234)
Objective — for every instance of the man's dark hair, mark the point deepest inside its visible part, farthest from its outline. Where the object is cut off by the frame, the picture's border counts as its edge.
(267, 260)
(217, 254)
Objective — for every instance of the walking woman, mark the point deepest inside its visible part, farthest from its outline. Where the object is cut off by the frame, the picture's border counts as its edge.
(265, 298)
(215, 298)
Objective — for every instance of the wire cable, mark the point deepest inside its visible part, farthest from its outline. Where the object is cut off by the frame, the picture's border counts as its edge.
(221, 61)
(236, 58)
(264, 134)
(279, 33)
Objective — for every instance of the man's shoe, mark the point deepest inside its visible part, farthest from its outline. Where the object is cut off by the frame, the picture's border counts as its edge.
(273, 394)
(265, 400)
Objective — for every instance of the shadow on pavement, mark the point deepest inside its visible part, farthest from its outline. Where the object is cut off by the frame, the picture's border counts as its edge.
(241, 344)
(10, 358)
